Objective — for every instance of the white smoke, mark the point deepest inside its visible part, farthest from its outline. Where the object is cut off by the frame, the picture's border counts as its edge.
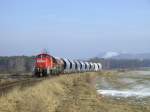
(110, 54)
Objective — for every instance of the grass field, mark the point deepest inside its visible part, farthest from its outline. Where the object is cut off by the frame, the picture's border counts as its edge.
(66, 93)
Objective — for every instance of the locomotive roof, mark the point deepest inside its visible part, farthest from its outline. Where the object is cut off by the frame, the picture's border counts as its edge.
(44, 54)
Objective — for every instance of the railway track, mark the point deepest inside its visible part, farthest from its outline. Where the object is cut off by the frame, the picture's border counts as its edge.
(5, 88)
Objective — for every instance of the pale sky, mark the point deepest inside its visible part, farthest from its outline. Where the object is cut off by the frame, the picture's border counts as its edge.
(74, 28)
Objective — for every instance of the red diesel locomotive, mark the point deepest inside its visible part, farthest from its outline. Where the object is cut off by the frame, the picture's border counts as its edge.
(46, 64)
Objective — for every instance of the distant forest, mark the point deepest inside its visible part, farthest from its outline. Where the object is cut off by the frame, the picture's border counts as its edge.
(19, 64)
(122, 63)
(16, 64)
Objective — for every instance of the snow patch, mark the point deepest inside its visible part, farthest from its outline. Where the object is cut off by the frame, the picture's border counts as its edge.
(118, 93)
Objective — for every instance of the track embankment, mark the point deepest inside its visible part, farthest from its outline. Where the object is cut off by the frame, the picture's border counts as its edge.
(22, 83)
(66, 93)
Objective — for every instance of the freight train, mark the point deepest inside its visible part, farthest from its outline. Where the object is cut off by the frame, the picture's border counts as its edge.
(46, 64)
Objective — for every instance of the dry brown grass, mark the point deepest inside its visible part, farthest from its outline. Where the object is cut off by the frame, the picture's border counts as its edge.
(6, 81)
(47, 96)
(66, 93)
(40, 98)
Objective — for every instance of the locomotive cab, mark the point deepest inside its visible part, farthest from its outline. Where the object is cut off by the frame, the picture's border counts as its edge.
(43, 64)
(46, 64)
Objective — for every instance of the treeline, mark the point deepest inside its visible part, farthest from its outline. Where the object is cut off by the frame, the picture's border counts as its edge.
(122, 63)
(21, 64)
(16, 64)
